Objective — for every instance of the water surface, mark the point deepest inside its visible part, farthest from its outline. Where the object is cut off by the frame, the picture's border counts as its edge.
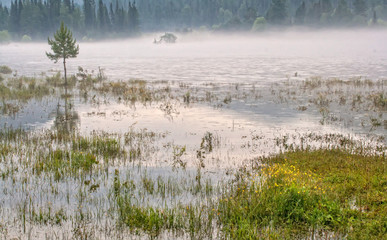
(262, 58)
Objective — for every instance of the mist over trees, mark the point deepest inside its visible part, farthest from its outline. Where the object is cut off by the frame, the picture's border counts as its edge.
(93, 19)
(112, 18)
(241, 14)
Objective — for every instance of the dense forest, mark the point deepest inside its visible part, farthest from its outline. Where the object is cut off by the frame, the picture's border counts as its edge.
(25, 19)
(241, 14)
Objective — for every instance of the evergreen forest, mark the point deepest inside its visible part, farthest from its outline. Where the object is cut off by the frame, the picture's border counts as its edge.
(37, 19)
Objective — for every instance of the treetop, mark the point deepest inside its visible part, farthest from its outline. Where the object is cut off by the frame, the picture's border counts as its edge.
(63, 45)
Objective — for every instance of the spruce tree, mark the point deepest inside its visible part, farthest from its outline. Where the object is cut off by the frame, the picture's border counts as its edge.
(314, 13)
(89, 13)
(67, 3)
(14, 18)
(277, 12)
(374, 18)
(3, 17)
(112, 16)
(326, 6)
(360, 7)
(100, 16)
(342, 14)
(300, 14)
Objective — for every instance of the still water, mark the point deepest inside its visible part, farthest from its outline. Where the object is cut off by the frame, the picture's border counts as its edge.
(220, 58)
(198, 59)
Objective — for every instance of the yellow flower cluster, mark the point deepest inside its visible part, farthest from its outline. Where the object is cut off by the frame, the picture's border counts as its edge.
(286, 174)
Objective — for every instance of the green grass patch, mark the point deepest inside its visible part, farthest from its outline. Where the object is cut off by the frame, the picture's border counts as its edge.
(192, 221)
(105, 146)
(23, 89)
(305, 194)
(4, 150)
(65, 163)
(187, 221)
(46, 217)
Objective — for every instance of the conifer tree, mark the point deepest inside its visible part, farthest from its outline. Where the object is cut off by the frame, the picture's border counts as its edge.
(326, 6)
(300, 14)
(374, 18)
(63, 46)
(89, 12)
(14, 19)
(314, 13)
(360, 7)
(101, 16)
(3, 17)
(342, 13)
(277, 12)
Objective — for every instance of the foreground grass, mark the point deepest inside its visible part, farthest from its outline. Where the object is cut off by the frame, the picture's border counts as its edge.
(326, 193)
(310, 194)
(321, 194)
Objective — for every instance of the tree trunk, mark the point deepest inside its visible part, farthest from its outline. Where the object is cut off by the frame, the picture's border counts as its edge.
(65, 76)
(65, 72)
(67, 117)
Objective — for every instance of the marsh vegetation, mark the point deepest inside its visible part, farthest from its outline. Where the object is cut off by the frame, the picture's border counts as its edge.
(164, 159)
(275, 136)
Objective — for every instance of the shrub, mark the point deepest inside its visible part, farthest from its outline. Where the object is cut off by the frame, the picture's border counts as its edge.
(26, 38)
(5, 70)
(5, 37)
(259, 24)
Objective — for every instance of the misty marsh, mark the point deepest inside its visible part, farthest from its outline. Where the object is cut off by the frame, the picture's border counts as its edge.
(250, 124)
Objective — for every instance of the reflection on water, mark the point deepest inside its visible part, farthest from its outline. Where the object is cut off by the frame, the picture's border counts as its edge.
(247, 125)
(241, 133)
(66, 118)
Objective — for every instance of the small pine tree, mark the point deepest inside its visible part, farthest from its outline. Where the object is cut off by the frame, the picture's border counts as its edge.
(63, 46)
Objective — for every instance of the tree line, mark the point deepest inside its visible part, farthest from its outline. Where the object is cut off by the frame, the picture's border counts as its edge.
(101, 18)
(39, 18)
(241, 14)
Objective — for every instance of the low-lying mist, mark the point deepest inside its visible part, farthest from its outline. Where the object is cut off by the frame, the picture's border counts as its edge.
(204, 56)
